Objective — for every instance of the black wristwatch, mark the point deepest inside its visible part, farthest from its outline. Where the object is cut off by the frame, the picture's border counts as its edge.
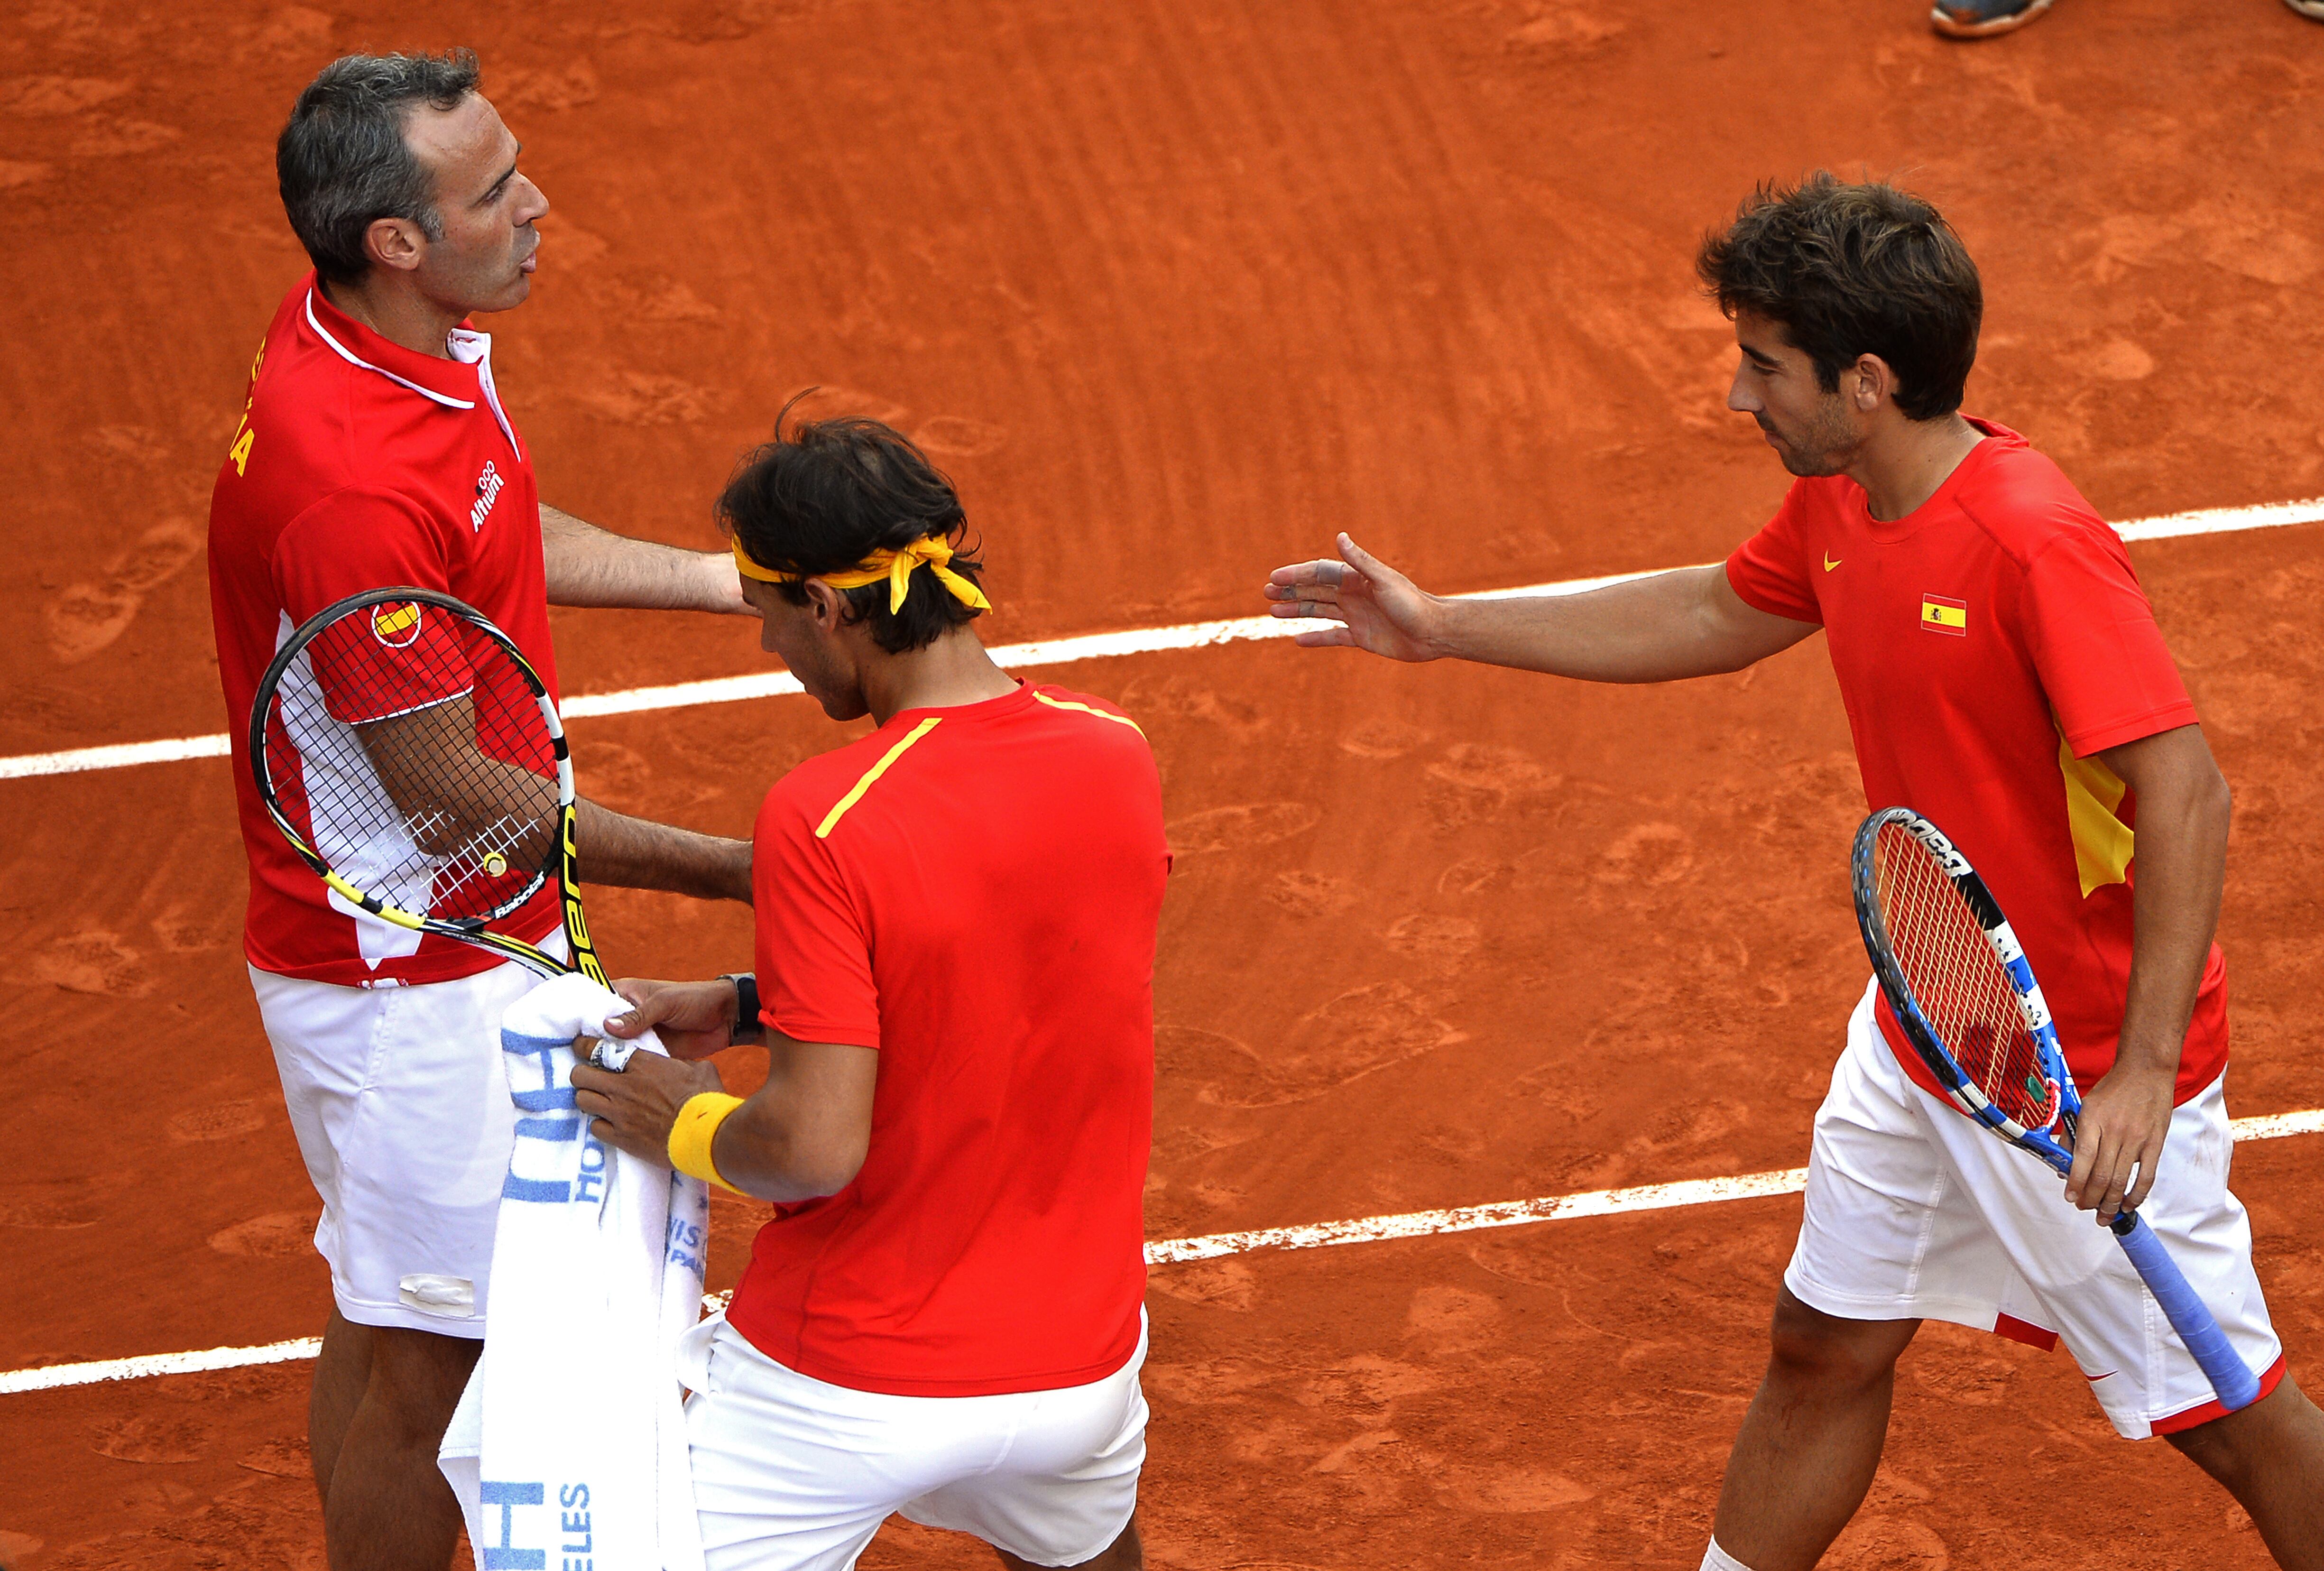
(747, 1028)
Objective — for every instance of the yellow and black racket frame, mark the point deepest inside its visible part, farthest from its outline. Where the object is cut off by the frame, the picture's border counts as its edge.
(472, 930)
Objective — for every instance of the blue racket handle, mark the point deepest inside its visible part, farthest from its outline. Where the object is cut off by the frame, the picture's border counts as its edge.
(2236, 1386)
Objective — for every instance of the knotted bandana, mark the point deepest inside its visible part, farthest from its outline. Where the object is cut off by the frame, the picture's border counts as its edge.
(895, 566)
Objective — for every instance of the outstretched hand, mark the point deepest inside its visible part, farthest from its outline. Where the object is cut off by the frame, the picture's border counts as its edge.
(694, 1019)
(1378, 608)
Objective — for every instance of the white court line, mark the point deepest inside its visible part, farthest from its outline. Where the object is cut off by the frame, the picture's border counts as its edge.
(1179, 1251)
(1052, 652)
(1067, 650)
(2222, 520)
(65, 1374)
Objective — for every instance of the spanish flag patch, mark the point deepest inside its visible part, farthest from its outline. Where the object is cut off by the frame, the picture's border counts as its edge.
(1939, 614)
(395, 624)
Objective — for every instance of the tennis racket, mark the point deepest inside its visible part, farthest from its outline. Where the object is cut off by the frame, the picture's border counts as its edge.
(412, 756)
(1961, 987)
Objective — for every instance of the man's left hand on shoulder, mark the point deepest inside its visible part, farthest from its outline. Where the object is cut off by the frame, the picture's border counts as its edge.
(633, 1111)
(2125, 1119)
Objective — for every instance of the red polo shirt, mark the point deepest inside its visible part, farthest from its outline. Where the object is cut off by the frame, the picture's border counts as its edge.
(1989, 646)
(359, 464)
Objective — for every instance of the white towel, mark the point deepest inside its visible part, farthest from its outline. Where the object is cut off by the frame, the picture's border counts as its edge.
(569, 1448)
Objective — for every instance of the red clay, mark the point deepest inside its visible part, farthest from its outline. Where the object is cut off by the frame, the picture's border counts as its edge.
(1177, 289)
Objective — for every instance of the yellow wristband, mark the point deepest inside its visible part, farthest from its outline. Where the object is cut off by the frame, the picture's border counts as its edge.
(690, 1136)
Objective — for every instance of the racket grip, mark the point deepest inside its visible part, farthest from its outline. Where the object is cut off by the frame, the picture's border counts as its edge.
(2236, 1386)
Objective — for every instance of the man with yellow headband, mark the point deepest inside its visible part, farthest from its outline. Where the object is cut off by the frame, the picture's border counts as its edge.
(957, 920)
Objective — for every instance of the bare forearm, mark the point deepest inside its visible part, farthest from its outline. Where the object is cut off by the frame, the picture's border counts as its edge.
(588, 566)
(806, 1131)
(2182, 854)
(628, 853)
(1658, 629)
(760, 1150)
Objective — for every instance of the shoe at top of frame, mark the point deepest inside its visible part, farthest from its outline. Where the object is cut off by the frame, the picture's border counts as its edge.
(1984, 18)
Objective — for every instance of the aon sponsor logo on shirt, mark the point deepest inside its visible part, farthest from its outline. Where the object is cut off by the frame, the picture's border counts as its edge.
(488, 491)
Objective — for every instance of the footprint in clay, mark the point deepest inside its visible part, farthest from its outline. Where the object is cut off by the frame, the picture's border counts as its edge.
(92, 615)
(1357, 1034)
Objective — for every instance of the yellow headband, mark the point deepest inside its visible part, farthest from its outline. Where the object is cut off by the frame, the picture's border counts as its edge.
(896, 566)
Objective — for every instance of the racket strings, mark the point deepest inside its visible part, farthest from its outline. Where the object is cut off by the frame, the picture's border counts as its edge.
(420, 760)
(1958, 979)
(487, 854)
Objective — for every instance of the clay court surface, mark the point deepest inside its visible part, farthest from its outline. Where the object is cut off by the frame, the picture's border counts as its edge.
(1175, 291)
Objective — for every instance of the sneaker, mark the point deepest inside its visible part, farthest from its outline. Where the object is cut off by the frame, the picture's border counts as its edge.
(2311, 9)
(1984, 18)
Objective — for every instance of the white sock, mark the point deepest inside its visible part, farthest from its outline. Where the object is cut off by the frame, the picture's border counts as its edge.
(1718, 1559)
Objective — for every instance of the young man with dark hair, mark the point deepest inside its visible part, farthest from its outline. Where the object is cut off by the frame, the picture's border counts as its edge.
(375, 451)
(2003, 674)
(956, 918)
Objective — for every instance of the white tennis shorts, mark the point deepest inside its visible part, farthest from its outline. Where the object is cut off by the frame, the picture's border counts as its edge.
(401, 1104)
(1915, 1212)
(793, 1475)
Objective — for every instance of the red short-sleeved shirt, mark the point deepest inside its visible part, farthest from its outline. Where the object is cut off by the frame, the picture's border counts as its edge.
(359, 464)
(972, 892)
(1988, 645)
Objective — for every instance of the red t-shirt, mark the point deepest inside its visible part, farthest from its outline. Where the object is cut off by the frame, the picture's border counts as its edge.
(972, 892)
(1988, 645)
(359, 464)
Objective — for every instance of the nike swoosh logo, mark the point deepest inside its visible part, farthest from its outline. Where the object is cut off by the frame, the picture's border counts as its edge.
(1827, 563)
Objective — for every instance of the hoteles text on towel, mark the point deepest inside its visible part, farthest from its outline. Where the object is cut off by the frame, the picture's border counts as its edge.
(570, 1444)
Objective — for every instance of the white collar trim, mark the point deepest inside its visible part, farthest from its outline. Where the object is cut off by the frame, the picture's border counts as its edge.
(467, 347)
(351, 358)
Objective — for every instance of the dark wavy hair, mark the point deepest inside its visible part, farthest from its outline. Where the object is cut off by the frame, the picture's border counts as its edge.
(826, 495)
(1850, 270)
(342, 163)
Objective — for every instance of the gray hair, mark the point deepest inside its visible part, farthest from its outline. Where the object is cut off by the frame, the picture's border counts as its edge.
(342, 162)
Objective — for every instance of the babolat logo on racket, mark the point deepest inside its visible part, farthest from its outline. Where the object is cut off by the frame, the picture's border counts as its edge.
(1928, 834)
(395, 624)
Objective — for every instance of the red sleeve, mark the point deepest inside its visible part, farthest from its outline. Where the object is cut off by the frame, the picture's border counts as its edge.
(357, 540)
(1768, 572)
(2102, 661)
(405, 659)
(813, 951)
